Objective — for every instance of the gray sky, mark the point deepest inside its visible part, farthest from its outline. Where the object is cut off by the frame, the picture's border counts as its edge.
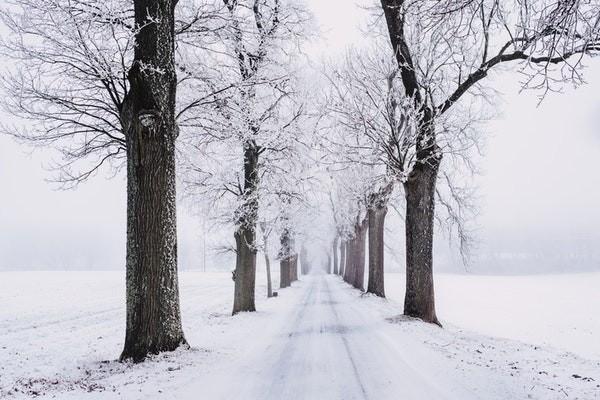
(540, 192)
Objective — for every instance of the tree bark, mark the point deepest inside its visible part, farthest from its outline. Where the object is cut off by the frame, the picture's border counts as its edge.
(285, 260)
(153, 315)
(268, 266)
(294, 268)
(245, 235)
(245, 271)
(419, 300)
(265, 233)
(346, 260)
(304, 266)
(348, 270)
(342, 258)
(284, 273)
(335, 255)
(376, 251)
(293, 259)
(285, 279)
(359, 254)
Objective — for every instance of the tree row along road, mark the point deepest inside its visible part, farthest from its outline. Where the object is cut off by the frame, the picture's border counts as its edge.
(330, 345)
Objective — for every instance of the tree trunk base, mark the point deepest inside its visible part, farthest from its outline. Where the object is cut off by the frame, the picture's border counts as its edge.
(419, 301)
(245, 271)
(429, 319)
(360, 230)
(138, 352)
(376, 283)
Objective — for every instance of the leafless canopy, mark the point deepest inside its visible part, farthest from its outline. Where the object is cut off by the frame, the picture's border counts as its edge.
(446, 48)
(70, 78)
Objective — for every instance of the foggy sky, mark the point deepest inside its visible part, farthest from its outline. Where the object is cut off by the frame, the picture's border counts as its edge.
(540, 191)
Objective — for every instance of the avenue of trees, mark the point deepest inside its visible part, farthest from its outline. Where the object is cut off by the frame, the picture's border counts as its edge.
(210, 99)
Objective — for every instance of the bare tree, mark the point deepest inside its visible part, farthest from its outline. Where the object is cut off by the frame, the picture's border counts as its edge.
(349, 184)
(96, 80)
(445, 50)
(293, 209)
(286, 257)
(70, 77)
(148, 115)
(254, 57)
(338, 258)
(366, 102)
(266, 232)
(283, 193)
(70, 81)
(249, 62)
(379, 123)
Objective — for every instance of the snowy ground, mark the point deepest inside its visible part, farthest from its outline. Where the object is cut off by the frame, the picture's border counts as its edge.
(559, 310)
(60, 333)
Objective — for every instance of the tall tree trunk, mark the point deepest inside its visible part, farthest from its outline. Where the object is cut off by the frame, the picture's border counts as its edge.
(350, 257)
(153, 316)
(284, 273)
(285, 259)
(263, 228)
(245, 235)
(268, 266)
(376, 214)
(342, 258)
(295, 268)
(305, 267)
(245, 271)
(335, 255)
(359, 255)
(293, 259)
(376, 250)
(419, 301)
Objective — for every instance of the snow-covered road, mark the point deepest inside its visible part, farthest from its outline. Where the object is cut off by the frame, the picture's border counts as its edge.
(330, 347)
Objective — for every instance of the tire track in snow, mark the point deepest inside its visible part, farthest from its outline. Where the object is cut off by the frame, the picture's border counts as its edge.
(325, 343)
(344, 339)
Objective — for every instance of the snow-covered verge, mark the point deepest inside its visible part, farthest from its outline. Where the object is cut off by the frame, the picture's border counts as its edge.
(507, 369)
(60, 334)
(560, 310)
(496, 368)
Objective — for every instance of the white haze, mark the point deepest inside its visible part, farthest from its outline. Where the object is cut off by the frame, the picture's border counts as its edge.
(539, 191)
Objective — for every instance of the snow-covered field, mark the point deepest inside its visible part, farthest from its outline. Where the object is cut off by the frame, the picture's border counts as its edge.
(60, 333)
(561, 310)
